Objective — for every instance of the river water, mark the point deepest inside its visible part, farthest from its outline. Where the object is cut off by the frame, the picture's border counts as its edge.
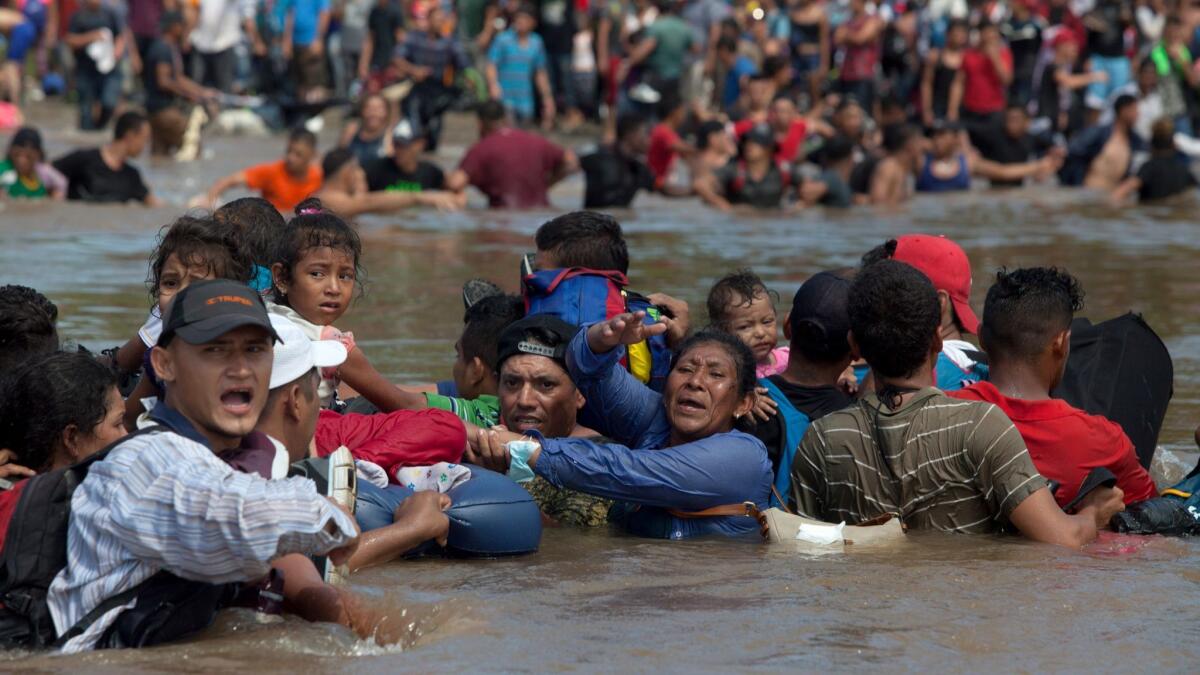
(599, 601)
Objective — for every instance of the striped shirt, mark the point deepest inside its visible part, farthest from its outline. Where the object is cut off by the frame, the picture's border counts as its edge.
(956, 466)
(516, 64)
(162, 500)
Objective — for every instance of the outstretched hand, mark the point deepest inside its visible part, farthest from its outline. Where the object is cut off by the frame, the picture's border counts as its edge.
(622, 329)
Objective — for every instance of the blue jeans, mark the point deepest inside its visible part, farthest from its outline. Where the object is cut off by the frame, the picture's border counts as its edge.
(375, 506)
(94, 87)
(1118, 71)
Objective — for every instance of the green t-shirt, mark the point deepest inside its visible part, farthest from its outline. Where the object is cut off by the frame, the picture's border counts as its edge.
(482, 412)
(13, 186)
(673, 38)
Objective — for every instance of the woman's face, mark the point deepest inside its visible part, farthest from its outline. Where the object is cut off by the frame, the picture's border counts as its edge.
(109, 430)
(701, 396)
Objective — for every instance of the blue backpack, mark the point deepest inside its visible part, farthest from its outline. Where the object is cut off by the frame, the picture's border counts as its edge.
(795, 423)
(582, 296)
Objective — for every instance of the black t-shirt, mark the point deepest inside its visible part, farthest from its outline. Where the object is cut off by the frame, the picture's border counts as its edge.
(1164, 177)
(999, 147)
(556, 25)
(91, 180)
(816, 402)
(613, 179)
(383, 174)
(86, 20)
(741, 188)
(159, 52)
(384, 20)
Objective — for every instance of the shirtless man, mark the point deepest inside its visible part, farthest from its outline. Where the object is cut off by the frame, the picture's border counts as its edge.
(1110, 167)
(891, 182)
(345, 192)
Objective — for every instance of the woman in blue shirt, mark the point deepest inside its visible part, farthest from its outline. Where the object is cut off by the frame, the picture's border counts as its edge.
(675, 454)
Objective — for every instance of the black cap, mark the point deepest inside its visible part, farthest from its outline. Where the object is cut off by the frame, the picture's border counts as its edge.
(820, 316)
(539, 335)
(761, 135)
(205, 311)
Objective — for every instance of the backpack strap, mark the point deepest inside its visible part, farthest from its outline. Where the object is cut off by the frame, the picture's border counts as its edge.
(748, 509)
(98, 611)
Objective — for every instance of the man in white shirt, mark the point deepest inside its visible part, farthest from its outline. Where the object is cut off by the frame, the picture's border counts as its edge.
(217, 27)
(162, 500)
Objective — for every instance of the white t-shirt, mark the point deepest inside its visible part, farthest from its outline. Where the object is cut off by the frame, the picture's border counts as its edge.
(219, 24)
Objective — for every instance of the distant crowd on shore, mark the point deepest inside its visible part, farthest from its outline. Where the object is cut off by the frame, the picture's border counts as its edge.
(754, 103)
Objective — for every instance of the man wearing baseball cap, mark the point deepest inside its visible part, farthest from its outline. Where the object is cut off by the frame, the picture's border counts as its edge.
(808, 389)
(536, 391)
(947, 267)
(162, 501)
(537, 394)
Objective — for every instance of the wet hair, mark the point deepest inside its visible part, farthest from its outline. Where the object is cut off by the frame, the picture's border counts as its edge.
(48, 395)
(314, 227)
(884, 251)
(894, 316)
(773, 65)
(736, 289)
(334, 161)
(743, 358)
(1162, 135)
(485, 321)
(838, 148)
(1026, 308)
(490, 112)
(260, 222)
(302, 135)
(1123, 101)
(27, 137)
(27, 327)
(705, 130)
(585, 239)
(668, 104)
(896, 136)
(128, 123)
(629, 124)
(217, 244)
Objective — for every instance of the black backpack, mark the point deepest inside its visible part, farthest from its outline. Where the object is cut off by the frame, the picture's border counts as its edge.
(1120, 369)
(35, 551)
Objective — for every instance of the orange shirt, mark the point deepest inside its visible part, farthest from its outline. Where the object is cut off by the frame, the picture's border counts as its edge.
(279, 187)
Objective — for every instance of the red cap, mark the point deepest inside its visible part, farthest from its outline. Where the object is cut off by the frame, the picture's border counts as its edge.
(1064, 36)
(944, 262)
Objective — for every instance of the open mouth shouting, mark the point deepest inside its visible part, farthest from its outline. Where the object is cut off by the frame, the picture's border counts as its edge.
(236, 400)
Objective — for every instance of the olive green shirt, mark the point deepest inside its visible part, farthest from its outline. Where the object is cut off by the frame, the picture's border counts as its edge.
(956, 466)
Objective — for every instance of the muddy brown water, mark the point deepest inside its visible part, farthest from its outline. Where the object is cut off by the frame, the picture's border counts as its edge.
(600, 601)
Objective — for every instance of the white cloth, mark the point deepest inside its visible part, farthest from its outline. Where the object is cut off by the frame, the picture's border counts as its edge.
(440, 477)
(162, 501)
(956, 350)
(152, 329)
(219, 24)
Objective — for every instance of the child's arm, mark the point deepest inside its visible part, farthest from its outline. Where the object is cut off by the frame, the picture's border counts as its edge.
(358, 372)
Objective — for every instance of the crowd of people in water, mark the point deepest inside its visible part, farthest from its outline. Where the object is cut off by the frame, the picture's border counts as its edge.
(762, 103)
(147, 486)
(151, 484)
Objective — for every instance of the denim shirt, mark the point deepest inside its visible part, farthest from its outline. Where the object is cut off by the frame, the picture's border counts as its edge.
(640, 469)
